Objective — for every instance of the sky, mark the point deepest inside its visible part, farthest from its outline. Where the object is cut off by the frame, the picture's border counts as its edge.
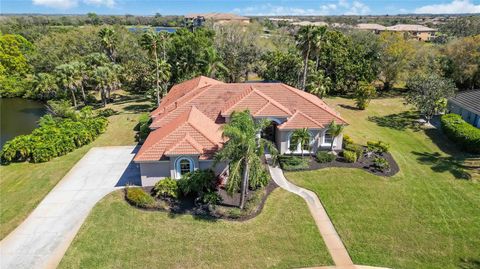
(241, 7)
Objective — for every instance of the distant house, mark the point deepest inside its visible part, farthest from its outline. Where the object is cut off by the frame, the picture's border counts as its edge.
(187, 126)
(310, 23)
(376, 28)
(218, 17)
(467, 105)
(419, 32)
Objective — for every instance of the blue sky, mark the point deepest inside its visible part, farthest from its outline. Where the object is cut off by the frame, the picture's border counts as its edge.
(243, 7)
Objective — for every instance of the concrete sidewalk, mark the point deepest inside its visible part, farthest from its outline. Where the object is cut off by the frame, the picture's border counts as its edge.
(332, 240)
(42, 239)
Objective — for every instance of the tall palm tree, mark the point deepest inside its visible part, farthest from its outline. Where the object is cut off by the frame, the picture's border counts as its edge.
(319, 84)
(80, 76)
(65, 74)
(244, 150)
(318, 41)
(305, 42)
(163, 37)
(103, 81)
(212, 63)
(164, 75)
(109, 42)
(151, 42)
(300, 137)
(334, 130)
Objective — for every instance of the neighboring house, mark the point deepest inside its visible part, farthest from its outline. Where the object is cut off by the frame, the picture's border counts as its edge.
(187, 126)
(418, 32)
(375, 28)
(467, 105)
(218, 18)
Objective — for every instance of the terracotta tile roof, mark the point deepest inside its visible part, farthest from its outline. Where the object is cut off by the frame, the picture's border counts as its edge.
(300, 120)
(198, 108)
(190, 133)
(410, 28)
(371, 26)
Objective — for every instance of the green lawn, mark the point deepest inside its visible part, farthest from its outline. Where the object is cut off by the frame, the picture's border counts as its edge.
(283, 236)
(23, 185)
(426, 216)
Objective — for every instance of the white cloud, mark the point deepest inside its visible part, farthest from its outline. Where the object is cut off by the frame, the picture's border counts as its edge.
(60, 4)
(67, 4)
(341, 7)
(107, 3)
(456, 6)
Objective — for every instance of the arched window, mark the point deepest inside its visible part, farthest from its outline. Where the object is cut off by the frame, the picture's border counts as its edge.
(184, 165)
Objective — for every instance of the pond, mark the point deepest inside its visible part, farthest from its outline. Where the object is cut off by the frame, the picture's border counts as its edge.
(18, 116)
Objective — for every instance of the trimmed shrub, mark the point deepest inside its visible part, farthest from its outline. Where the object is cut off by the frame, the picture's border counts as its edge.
(347, 140)
(138, 197)
(211, 198)
(381, 164)
(325, 157)
(197, 182)
(378, 146)
(166, 188)
(358, 149)
(143, 126)
(350, 156)
(293, 163)
(461, 132)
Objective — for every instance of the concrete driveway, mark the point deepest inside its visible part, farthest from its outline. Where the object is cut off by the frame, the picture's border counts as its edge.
(42, 239)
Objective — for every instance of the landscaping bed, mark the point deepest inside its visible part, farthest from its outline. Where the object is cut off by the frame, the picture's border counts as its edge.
(227, 208)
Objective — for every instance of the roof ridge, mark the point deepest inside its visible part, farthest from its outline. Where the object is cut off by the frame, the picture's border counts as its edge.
(188, 139)
(325, 109)
(306, 116)
(271, 101)
(234, 100)
(193, 123)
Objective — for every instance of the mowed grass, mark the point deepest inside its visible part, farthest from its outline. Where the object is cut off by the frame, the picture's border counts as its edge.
(24, 185)
(117, 235)
(426, 216)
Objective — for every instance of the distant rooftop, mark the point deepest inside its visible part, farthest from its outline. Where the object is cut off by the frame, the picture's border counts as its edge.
(410, 27)
(469, 100)
(307, 23)
(216, 16)
(371, 26)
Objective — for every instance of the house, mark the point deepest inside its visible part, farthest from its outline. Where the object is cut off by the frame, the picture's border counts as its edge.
(187, 126)
(373, 27)
(419, 32)
(467, 105)
(220, 18)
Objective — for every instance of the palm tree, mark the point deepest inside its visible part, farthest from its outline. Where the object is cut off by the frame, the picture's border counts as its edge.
(319, 84)
(212, 63)
(163, 37)
(103, 81)
(244, 150)
(318, 43)
(80, 76)
(65, 74)
(300, 137)
(164, 75)
(305, 42)
(109, 40)
(45, 86)
(334, 130)
(151, 41)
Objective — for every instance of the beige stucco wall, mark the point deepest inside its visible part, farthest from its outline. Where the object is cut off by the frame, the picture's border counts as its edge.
(282, 137)
(152, 172)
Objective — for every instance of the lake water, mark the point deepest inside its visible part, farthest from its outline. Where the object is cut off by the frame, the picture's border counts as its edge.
(18, 116)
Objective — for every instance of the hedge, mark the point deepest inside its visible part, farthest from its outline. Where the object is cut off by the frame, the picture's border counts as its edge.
(461, 132)
(54, 137)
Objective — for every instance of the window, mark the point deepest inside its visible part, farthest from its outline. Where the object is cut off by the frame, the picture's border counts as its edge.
(327, 139)
(183, 165)
(306, 147)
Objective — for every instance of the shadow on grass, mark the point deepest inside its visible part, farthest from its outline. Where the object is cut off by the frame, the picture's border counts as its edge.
(138, 108)
(439, 163)
(469, 263)
(399, 121)
(349, 107)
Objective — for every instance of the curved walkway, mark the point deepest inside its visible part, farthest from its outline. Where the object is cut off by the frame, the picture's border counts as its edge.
(332, 240)
(42, 239)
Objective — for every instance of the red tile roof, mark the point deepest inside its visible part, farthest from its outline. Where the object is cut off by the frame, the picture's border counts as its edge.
(189, 118)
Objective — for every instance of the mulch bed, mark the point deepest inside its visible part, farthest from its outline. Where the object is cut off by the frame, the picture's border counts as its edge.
(187, 205)
(364, 163)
